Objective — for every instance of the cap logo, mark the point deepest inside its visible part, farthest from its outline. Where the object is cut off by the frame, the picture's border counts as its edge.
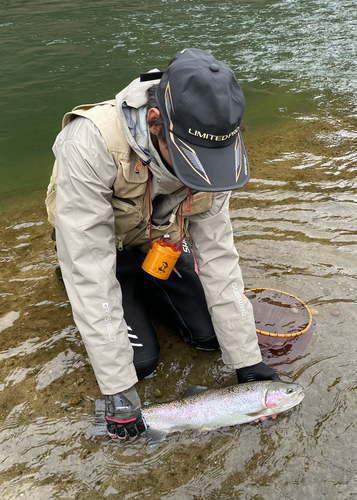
(213, 137)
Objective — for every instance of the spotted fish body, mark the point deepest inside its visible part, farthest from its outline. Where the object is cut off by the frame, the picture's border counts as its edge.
(214, 408)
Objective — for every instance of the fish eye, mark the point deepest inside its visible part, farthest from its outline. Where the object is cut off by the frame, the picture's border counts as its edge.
(290, 390)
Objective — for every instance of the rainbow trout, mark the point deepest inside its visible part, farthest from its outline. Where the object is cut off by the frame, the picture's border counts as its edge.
(205, 409)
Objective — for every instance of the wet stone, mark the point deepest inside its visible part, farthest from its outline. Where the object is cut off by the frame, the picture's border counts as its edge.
(336, 312)
(75, 400)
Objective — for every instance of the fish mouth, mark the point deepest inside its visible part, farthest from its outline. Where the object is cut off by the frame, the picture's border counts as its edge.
(301, 393)
(298, 397)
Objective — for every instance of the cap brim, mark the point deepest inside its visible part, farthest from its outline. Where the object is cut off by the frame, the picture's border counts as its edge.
(209, 168)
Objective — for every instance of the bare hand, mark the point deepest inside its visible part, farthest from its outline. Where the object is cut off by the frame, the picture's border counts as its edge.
(261, 419)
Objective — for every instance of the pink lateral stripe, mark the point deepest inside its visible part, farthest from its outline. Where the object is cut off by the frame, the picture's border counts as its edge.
(121, 421)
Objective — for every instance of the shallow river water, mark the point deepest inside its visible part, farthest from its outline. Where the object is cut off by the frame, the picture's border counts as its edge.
(295, 228)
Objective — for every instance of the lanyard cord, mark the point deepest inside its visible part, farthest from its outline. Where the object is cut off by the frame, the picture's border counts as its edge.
(149, 208)
(181, 226)
(188, 209)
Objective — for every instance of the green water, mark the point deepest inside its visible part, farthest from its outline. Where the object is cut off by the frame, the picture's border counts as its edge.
(294, 226)
(289, 57)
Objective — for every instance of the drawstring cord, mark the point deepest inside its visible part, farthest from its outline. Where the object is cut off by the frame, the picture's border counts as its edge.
(188, 208)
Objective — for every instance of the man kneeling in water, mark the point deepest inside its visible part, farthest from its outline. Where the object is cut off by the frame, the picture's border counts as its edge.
(157, 162)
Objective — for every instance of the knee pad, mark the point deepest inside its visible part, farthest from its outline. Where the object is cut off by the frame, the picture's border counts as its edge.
(146, 367)
(208, 344)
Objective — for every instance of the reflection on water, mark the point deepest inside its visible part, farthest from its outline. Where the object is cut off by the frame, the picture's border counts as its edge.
(8, 320)
(295, 229)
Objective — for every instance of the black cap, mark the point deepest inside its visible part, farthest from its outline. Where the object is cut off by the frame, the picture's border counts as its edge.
(202, 105)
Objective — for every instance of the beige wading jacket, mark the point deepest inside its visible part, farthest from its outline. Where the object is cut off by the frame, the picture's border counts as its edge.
(98, 203)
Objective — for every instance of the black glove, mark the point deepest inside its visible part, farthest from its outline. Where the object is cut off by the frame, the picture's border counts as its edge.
(260, 371)
(123, 414)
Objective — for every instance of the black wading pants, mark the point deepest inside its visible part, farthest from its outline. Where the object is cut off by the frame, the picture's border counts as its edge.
(178, 301)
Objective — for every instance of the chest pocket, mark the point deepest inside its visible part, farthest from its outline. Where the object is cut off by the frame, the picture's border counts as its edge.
(128, 213)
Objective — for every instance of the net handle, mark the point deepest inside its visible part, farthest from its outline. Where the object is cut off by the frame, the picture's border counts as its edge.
(284, 334)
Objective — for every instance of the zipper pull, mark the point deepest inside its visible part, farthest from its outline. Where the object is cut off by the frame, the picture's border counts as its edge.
(119, 243)
(188, 208)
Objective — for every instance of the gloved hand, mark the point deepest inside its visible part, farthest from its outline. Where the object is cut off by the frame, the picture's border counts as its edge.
(123, 414)
(260, 371)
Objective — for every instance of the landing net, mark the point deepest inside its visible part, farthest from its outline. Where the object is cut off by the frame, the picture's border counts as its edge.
(279, 314)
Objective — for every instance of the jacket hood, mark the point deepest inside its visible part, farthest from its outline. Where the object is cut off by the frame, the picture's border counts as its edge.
(131, 109)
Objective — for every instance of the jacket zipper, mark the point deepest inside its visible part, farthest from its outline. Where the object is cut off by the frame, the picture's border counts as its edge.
(130, 205)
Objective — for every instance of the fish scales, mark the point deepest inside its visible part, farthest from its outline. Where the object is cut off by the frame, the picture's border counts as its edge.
(211, 409)
(215, 408)
(191, 413)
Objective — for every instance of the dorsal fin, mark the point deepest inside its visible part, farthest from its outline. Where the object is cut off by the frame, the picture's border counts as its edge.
(193, 389)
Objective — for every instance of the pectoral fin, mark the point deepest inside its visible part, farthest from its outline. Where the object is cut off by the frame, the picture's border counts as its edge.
(257, 414)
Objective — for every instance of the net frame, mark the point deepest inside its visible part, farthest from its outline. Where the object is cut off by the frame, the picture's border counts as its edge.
(286, 335)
